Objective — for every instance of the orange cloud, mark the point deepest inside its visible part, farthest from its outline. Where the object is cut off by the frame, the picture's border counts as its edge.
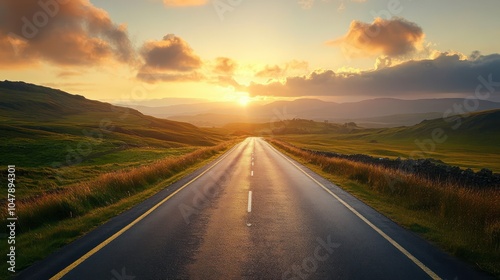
(171, 59)
(184, 3)
(148, 76)
(12, 53)
(394, 37)
(225, 65)
(224, 70)
(276, 71)
(60, 32)
(270, 71)
(171, 53)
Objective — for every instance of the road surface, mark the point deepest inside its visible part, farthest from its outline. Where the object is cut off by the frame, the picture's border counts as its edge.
(252, 214)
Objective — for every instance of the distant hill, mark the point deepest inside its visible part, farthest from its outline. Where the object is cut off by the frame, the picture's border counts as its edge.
(168, 112)
(293, 126)
(212, 120)
(41, 124)
(163, 102)
(481, 128)
(478, 128)
(381, 112)
(396, 120)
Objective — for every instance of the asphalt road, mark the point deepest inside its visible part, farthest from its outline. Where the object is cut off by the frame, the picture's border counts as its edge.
(252, 214)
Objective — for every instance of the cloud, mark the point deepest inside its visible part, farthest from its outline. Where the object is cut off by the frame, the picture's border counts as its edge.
(225, 65)
(446, 74)
(184, 3)
(228, 81)
(394, 37)
(170, 59)
(297, 65)
(157, 76)
(223, 73)
(173, 60)
(382, 62)
(433, 54)
(306, 4)
(12, 54)
(64, 33)
(276, 71)
(270, 71)
(171, 53)
(68, 74)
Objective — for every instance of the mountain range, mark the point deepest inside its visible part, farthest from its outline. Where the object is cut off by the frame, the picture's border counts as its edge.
(380, 112)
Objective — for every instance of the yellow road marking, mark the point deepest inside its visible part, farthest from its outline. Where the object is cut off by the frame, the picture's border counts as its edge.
(120, 232)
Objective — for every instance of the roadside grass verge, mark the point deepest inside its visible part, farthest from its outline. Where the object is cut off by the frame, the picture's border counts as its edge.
(455, 151)
(463, 221)
(42, 179)
(50, 221)
(106, 189)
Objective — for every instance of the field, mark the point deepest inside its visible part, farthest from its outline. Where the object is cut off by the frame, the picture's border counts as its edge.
(54, 218)
(81, 162)
(56, 205)
(462, 220)
(457, 153)
(466, 141)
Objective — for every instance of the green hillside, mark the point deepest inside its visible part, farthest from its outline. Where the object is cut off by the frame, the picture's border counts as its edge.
(80, 162)
(56, 139)
(476, 128)
(41, 125)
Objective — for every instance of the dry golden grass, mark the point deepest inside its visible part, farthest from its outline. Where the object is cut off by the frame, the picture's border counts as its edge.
(469, 217)
(78, 199)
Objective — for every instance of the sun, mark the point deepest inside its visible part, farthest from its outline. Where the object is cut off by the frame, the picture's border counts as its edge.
(244, 100)
(240, 98)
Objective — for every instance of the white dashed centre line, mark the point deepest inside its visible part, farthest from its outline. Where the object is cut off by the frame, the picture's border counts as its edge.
(249, 209)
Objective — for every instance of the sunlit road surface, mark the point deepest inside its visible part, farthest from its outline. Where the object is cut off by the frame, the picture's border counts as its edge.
(252, 214)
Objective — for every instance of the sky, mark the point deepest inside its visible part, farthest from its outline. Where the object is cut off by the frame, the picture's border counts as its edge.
(254, 50)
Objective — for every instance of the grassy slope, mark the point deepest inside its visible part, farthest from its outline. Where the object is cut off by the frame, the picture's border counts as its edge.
(63, 143)
(44, 128)
(27, 109)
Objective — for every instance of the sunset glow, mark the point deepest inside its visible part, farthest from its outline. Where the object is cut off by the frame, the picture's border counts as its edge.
(233, 132)
(244, 100)
(332, 50)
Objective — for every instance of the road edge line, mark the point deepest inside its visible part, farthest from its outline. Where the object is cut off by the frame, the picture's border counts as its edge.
(96, 249)
(422, 266)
